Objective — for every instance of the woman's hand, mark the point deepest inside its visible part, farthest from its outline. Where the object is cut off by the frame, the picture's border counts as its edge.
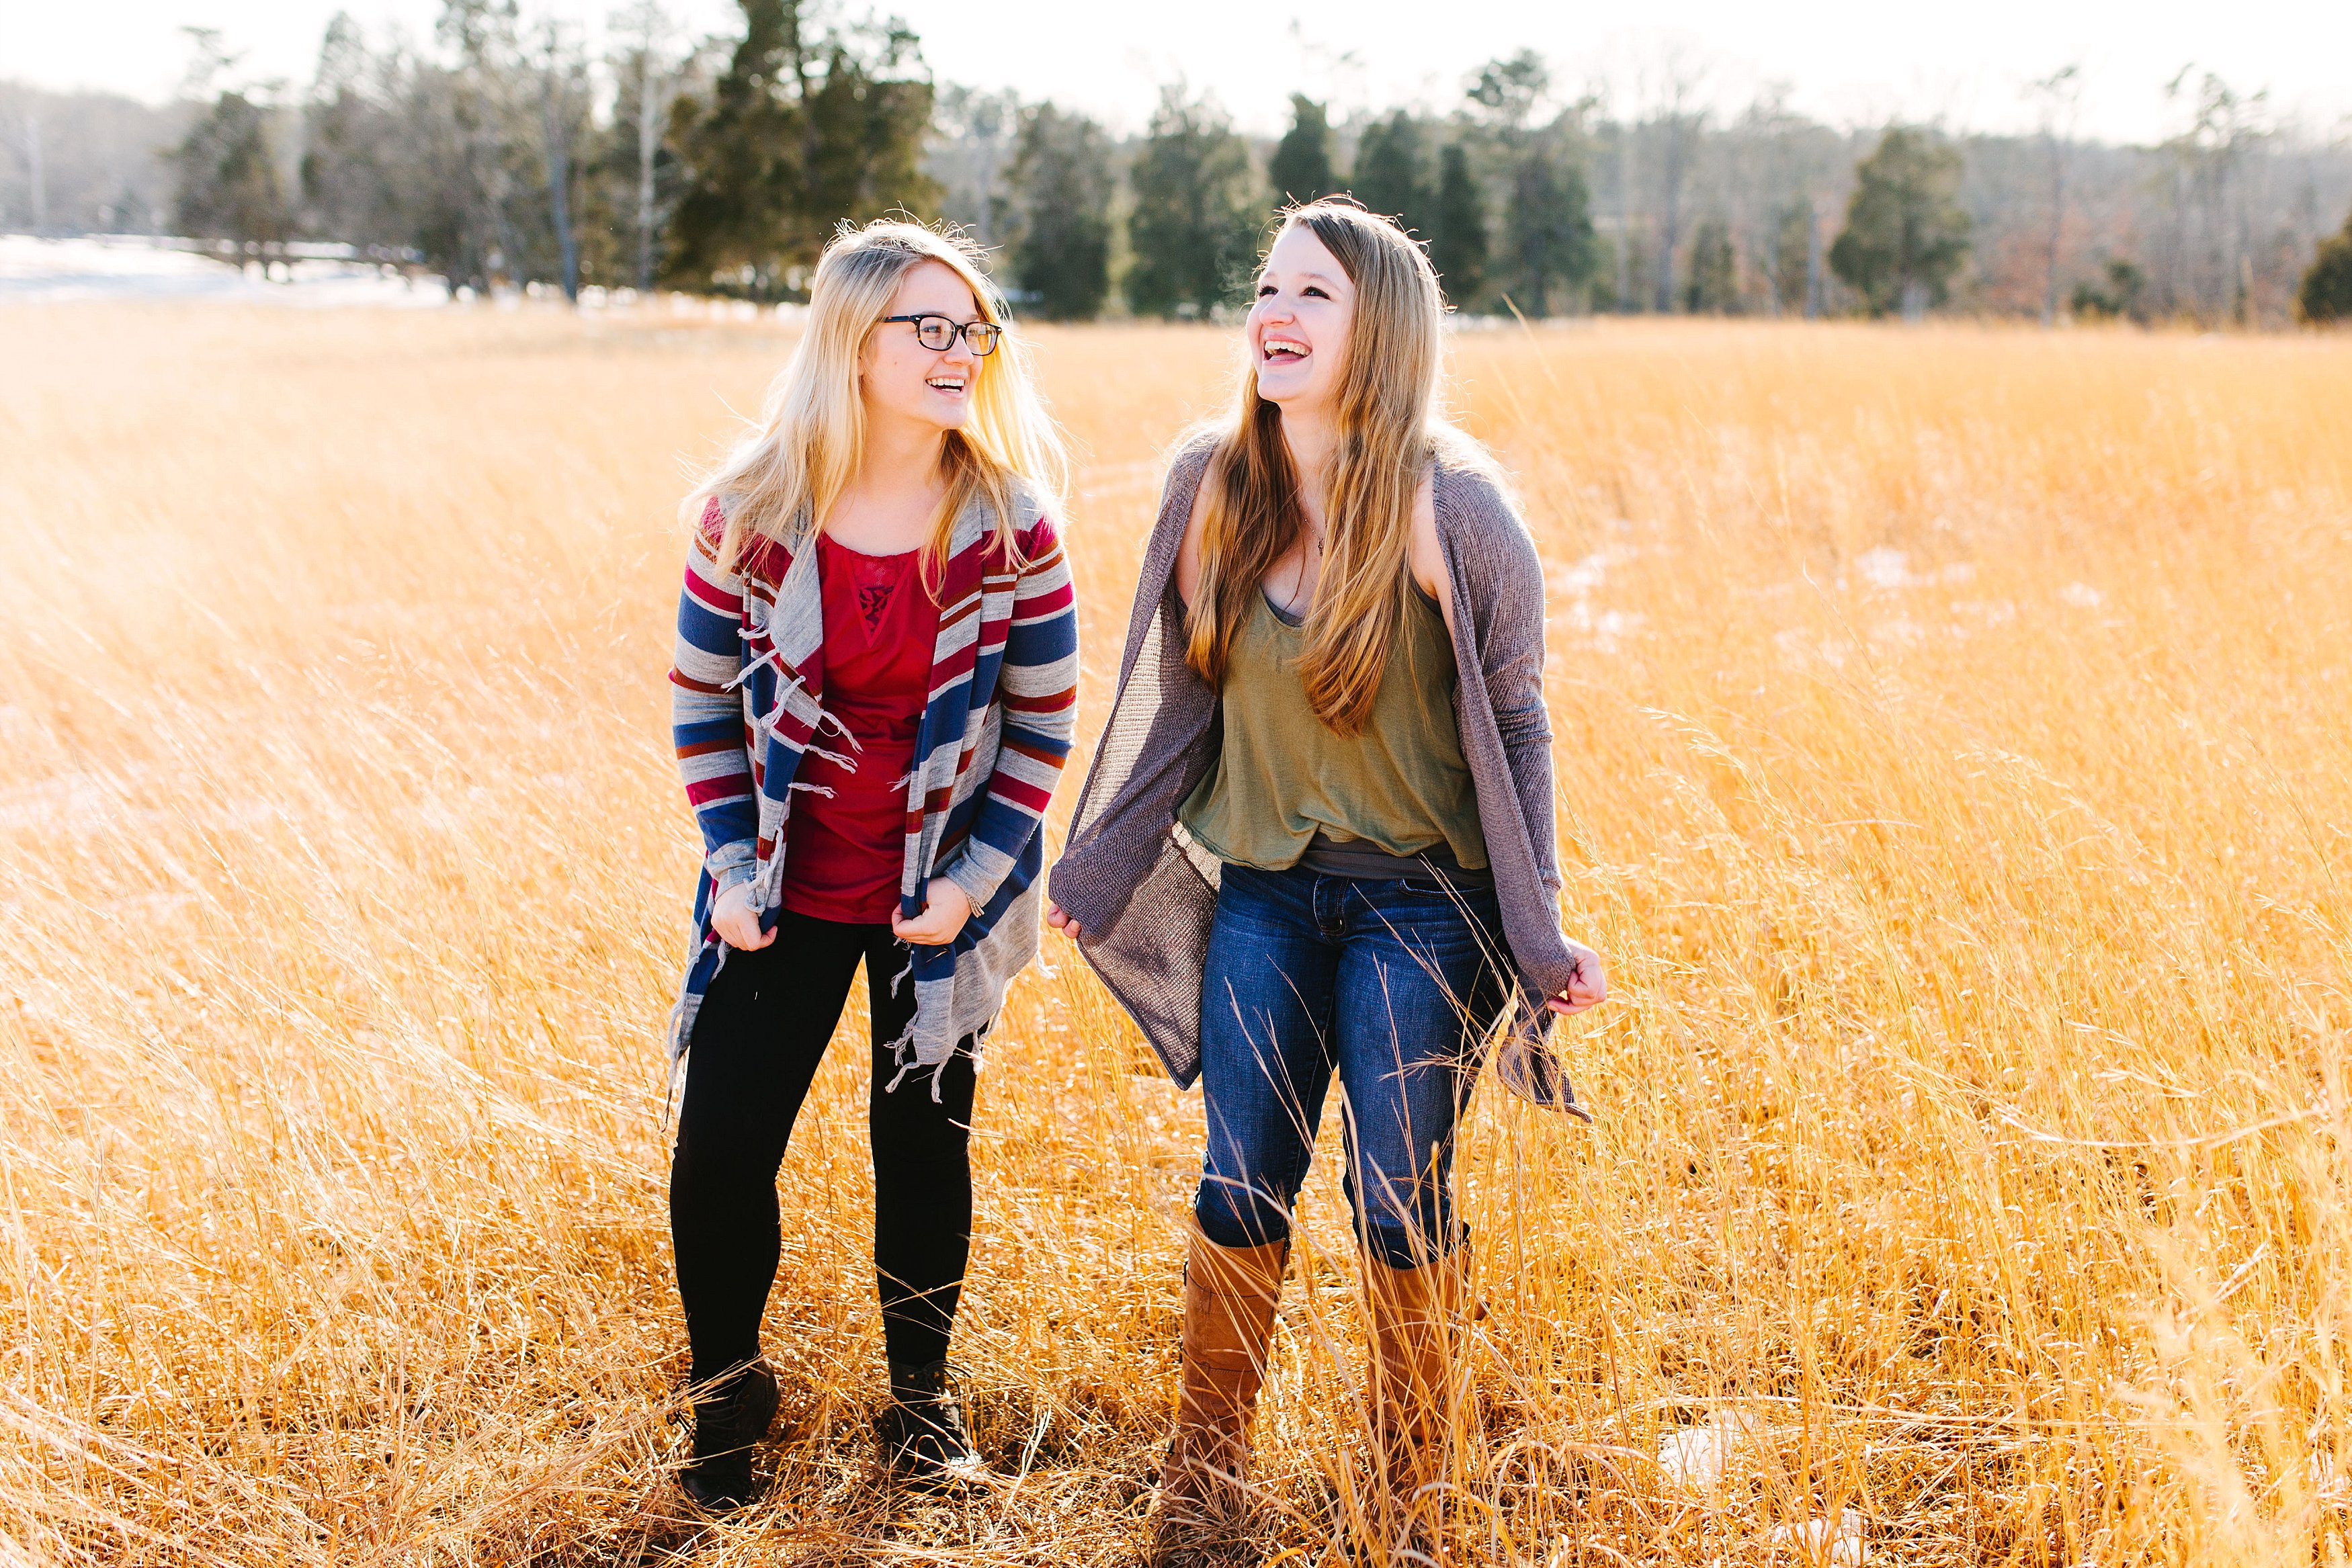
(736, 921)
(1587, 987)
(946, 907)
(1059, 919)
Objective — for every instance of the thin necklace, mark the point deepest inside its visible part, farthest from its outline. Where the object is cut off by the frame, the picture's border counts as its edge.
(1298, 586)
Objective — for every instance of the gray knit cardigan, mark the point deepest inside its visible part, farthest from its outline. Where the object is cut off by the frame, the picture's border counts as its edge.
(1143, 891)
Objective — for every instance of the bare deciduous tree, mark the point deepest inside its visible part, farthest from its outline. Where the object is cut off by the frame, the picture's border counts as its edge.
(2059, 96)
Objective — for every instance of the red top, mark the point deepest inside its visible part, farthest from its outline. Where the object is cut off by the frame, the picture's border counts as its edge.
(846, 852)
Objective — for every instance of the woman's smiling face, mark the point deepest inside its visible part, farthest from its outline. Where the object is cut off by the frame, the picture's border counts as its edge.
(896, 374)
(1298, 327)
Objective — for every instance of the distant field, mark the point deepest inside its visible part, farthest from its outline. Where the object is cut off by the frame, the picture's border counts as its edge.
(1954, 765)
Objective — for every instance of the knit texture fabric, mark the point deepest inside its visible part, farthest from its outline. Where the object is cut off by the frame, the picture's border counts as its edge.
(748, 703)
(1143, 890)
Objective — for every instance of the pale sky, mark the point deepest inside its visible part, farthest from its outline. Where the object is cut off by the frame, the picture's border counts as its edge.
(1842, 60)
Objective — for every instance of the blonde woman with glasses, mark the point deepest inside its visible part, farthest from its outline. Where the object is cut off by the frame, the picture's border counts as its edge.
(874, 692)
(1317, 841)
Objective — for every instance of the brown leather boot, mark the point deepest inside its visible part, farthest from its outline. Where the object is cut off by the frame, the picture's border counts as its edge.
(1415, 1313)
(1230, 1294)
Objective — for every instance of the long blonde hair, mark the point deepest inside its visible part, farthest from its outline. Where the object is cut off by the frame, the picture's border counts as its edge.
(1389, 429)
(811, 435)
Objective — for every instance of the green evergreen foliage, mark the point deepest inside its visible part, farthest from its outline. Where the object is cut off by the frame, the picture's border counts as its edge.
(227, 177)
(1457, 237)
(1061, 212)
(1507, 89)
(1548, 230)
(1194, 228)
(2326, 291)
(1792, 259)
(1392, 176)
(1713, 289)
(1300, 169)
(803, 131)
(2120, 295)
(1906, 232)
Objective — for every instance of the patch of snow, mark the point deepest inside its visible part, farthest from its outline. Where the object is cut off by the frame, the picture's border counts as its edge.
(1578, 579)
(1799, 648)
(78, 802)
(1697, 1456)
(1838, 1544)
(1884, 567)
(1601, 629)
(34, 271)
(1901, 632)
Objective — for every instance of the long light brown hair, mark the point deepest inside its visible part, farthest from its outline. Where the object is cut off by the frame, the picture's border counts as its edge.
(1389, 429)
(811, 435)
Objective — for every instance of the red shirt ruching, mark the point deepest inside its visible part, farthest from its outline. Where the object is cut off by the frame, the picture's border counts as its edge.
(845, 851)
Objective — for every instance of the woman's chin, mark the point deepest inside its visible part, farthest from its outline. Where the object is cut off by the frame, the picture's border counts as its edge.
(942, 415)
(1287, 394)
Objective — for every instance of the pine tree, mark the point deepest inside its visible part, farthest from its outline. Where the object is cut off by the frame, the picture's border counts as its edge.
(1061, 212)
(2326, 292)
(1194, 228)
(1714, 286)
(868, 123)
(733, 211)
(799, 133)
(1458, 238)
(1905, 231)
(1390, 177)
(1550, 227)
(1301, 170)
(228, 186)
(2126, 283)
(1792, 261)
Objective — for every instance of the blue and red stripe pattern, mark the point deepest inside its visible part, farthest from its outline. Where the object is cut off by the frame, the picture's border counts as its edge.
(748, 702)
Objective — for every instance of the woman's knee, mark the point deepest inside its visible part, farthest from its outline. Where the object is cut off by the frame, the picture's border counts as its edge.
(1406, 1221)
(1236, 1214)
(1408, 1244)
(714, 1165)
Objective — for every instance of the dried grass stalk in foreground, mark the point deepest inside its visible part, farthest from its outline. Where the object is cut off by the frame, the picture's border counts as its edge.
(1952, 760)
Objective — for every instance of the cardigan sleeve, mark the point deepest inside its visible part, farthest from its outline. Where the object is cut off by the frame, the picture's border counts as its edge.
(1038, 686)
(714, 759)
(1506, 588)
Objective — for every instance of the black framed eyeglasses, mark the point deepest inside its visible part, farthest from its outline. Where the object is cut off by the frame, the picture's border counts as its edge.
(938, 333)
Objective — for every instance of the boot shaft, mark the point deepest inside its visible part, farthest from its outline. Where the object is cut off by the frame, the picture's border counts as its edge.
(1414, 1316)
(1230, 1296)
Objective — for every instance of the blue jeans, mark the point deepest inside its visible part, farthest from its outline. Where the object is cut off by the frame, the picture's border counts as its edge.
(1393, 984)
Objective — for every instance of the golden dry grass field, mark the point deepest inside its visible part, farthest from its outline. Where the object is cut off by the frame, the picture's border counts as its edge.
(1954, 765)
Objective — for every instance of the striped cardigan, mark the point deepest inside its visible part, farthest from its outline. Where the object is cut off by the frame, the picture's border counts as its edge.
(748, 702)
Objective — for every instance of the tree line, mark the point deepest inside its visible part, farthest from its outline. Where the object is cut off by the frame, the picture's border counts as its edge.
(502, 153)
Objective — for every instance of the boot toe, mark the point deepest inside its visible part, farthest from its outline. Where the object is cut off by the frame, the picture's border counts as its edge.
(717, 1485)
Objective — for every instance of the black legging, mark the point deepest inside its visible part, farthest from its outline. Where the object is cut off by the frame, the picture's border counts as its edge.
(761, 1031)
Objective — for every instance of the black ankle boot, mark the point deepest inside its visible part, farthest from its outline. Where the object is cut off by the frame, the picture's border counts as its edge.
(922, 1432)
(726, 1423)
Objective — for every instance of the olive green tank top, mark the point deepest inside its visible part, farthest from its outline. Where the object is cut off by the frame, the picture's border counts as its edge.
(1283, 781)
